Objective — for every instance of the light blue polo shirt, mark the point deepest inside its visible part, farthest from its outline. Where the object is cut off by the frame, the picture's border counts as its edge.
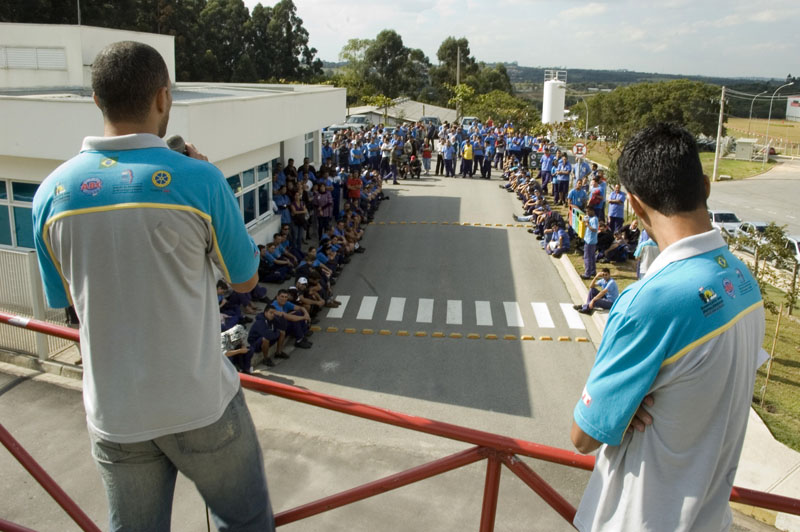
(128, 231)
(688, 334)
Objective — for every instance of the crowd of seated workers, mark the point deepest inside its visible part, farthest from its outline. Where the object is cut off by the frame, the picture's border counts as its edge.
(607, 239)
(323, 220)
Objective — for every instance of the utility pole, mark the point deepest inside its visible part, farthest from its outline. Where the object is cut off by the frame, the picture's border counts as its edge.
(79, 12)
(458, 80)
(719, 132)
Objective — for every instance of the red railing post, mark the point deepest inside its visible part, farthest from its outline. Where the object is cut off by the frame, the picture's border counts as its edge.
(46, 481)
(491, 491)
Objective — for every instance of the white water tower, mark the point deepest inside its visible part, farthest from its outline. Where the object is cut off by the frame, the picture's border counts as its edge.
(555, 95)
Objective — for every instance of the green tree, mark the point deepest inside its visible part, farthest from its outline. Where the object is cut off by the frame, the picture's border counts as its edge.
(291, 57)
(625, 110)
(223, 23)
(502, 106)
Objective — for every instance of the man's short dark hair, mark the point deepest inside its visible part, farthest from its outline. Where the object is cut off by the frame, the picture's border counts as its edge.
(606, 270)
(661, 165)
(126, 76)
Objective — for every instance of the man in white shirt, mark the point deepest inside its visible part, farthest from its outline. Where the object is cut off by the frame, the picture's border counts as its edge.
(677, 361)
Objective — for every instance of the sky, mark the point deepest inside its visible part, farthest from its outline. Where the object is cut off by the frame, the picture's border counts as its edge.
(729, 38)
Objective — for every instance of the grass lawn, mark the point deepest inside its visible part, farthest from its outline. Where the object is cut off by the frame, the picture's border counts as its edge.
(781, 411)
(778, 129)
(733, 168)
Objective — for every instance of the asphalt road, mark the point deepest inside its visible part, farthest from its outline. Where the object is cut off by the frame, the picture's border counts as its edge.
(772, 196)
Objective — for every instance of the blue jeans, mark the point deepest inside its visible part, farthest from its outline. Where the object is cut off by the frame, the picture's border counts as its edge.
(222, 459)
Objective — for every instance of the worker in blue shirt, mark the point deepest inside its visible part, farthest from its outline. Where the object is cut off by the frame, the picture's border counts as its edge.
(546, 165)
(489, 149)
(477, 155)
(327, 151)
(449, 154)
(561, 183)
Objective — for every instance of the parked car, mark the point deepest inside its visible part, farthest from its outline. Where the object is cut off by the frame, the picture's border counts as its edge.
(468, 121)
(752, 231)
(793, 243)
(431, 120)
(358, 121)
(726, 222)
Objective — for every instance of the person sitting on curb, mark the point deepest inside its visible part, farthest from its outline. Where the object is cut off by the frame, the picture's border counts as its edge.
(297, 319)
(603, 291)
(266, 332)
(233, 347)
(559, 244)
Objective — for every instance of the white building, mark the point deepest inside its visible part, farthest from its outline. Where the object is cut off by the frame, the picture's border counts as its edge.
(793, 108)
(47, 109)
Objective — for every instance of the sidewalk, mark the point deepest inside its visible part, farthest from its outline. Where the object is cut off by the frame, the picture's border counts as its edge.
(766, 464)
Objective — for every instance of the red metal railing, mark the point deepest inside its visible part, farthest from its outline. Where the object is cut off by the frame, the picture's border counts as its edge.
(497, 450)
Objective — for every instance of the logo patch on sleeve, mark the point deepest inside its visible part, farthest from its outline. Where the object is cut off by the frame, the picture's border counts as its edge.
(586, 398)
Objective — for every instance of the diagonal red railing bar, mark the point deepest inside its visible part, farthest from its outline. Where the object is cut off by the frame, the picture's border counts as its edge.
(398, 480)
(8, 526)
(46, 481)
(541, 487)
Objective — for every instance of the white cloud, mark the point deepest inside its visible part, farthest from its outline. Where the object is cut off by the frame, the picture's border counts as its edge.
(591, 9)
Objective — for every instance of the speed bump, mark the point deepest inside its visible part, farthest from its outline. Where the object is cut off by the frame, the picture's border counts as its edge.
(546, 338)
(367, 331)
(420, 334)
(509, 337)
(473, 336)
(491, 337)
(385, 332)
(402, 333)
(349, 330)
(456, 335)
(437, 335)
(332, 329)
(581, 339)
(563, 338)
(315, 328)
(527, 337)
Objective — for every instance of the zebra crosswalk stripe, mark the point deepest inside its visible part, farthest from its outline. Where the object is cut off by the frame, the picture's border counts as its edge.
(338, 312)
(425, 311)
(483, 313)
(543, 317)
(367, 308)
(454, 313)
(396, 307)
(513, 314)
(573, 318)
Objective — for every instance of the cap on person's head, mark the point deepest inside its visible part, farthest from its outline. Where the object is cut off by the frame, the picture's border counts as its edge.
(302, 280)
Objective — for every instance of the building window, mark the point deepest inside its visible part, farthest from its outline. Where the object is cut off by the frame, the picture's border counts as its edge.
(253, 191)
(33, 58)
(309, 137)
(16, 225)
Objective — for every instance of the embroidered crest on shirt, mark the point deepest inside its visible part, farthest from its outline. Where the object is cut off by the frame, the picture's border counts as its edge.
(161, 178)
(711, 301)
(92, 186)
(108, 162)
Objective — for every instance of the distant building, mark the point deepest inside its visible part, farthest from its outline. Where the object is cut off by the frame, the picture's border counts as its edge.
(793, 108)
(403, 110)
(47, 109)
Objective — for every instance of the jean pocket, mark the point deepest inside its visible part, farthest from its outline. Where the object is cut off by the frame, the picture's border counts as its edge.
(216, 436)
